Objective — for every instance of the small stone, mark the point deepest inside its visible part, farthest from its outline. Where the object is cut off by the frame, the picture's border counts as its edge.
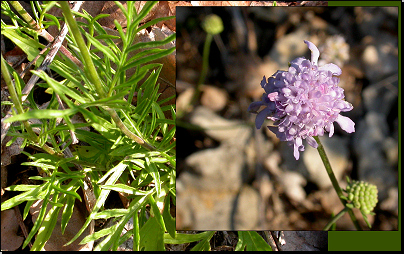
(214, 98)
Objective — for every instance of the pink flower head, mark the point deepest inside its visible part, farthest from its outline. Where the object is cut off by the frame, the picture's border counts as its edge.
(303, 102)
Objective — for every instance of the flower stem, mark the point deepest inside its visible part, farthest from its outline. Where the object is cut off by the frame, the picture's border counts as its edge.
(205, 66)
(334, 181)
(335, 218)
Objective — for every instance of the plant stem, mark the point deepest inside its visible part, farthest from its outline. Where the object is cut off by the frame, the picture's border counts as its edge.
(127, 132)
(9, 82)
(334, 181)
(335, 218)
(25, 15)
(93, 75)
(15, 99)
(18, 105)
(205, 66)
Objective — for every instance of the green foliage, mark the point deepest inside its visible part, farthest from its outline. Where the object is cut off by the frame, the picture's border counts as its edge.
(108, 156)
(112, 160)
(251, 241)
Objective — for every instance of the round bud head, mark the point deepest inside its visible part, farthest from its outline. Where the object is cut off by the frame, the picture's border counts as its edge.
(213, 24)
(363, 195)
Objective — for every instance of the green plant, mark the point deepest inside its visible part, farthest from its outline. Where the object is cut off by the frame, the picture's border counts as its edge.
(124, 148)
(247, 240)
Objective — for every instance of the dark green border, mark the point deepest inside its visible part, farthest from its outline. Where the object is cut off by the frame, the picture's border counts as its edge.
(373, 240)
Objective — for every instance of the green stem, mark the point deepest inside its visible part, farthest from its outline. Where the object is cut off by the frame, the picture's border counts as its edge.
(18, 105)
(15, 99)
(7, 78)
(334, 181)
(88, 62)
(127, 132)
(25, 15)
(205, 66)
(335, 218)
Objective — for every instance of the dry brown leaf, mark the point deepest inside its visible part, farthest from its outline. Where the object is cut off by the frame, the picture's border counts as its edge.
(9, 151)
(206, 3)
(214, 98)
(180, 3)
(3, 180)
(237, 3)
(92, 7)
(115, 13)
(160, 10)
(10, 241)
(15, 56)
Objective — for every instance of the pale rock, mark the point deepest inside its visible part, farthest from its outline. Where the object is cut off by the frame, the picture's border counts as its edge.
(337, 152)
(219, 128)
(214, 98)
(10, 240)
(293, 184)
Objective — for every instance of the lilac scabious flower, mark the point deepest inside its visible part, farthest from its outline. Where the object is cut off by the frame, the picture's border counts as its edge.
(303, 102)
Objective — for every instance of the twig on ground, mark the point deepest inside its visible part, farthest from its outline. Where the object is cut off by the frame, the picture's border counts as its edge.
(270, 240)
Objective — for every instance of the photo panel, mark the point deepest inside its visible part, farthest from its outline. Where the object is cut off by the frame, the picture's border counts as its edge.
(232, 175)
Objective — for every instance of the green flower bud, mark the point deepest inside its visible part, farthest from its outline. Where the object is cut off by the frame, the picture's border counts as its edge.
(362, 195)
(213, 24)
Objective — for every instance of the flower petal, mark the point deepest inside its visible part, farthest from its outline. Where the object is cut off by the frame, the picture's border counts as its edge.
(263, 82)
(253, 108)
(273, 129)
(312, 142)
(297, 62)
(297, 146)
(261, 117)
(346, 123)
(330, 130)
(345, 106)
(314, 52)
(273, 96)
(296, 151)
(335, 70)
